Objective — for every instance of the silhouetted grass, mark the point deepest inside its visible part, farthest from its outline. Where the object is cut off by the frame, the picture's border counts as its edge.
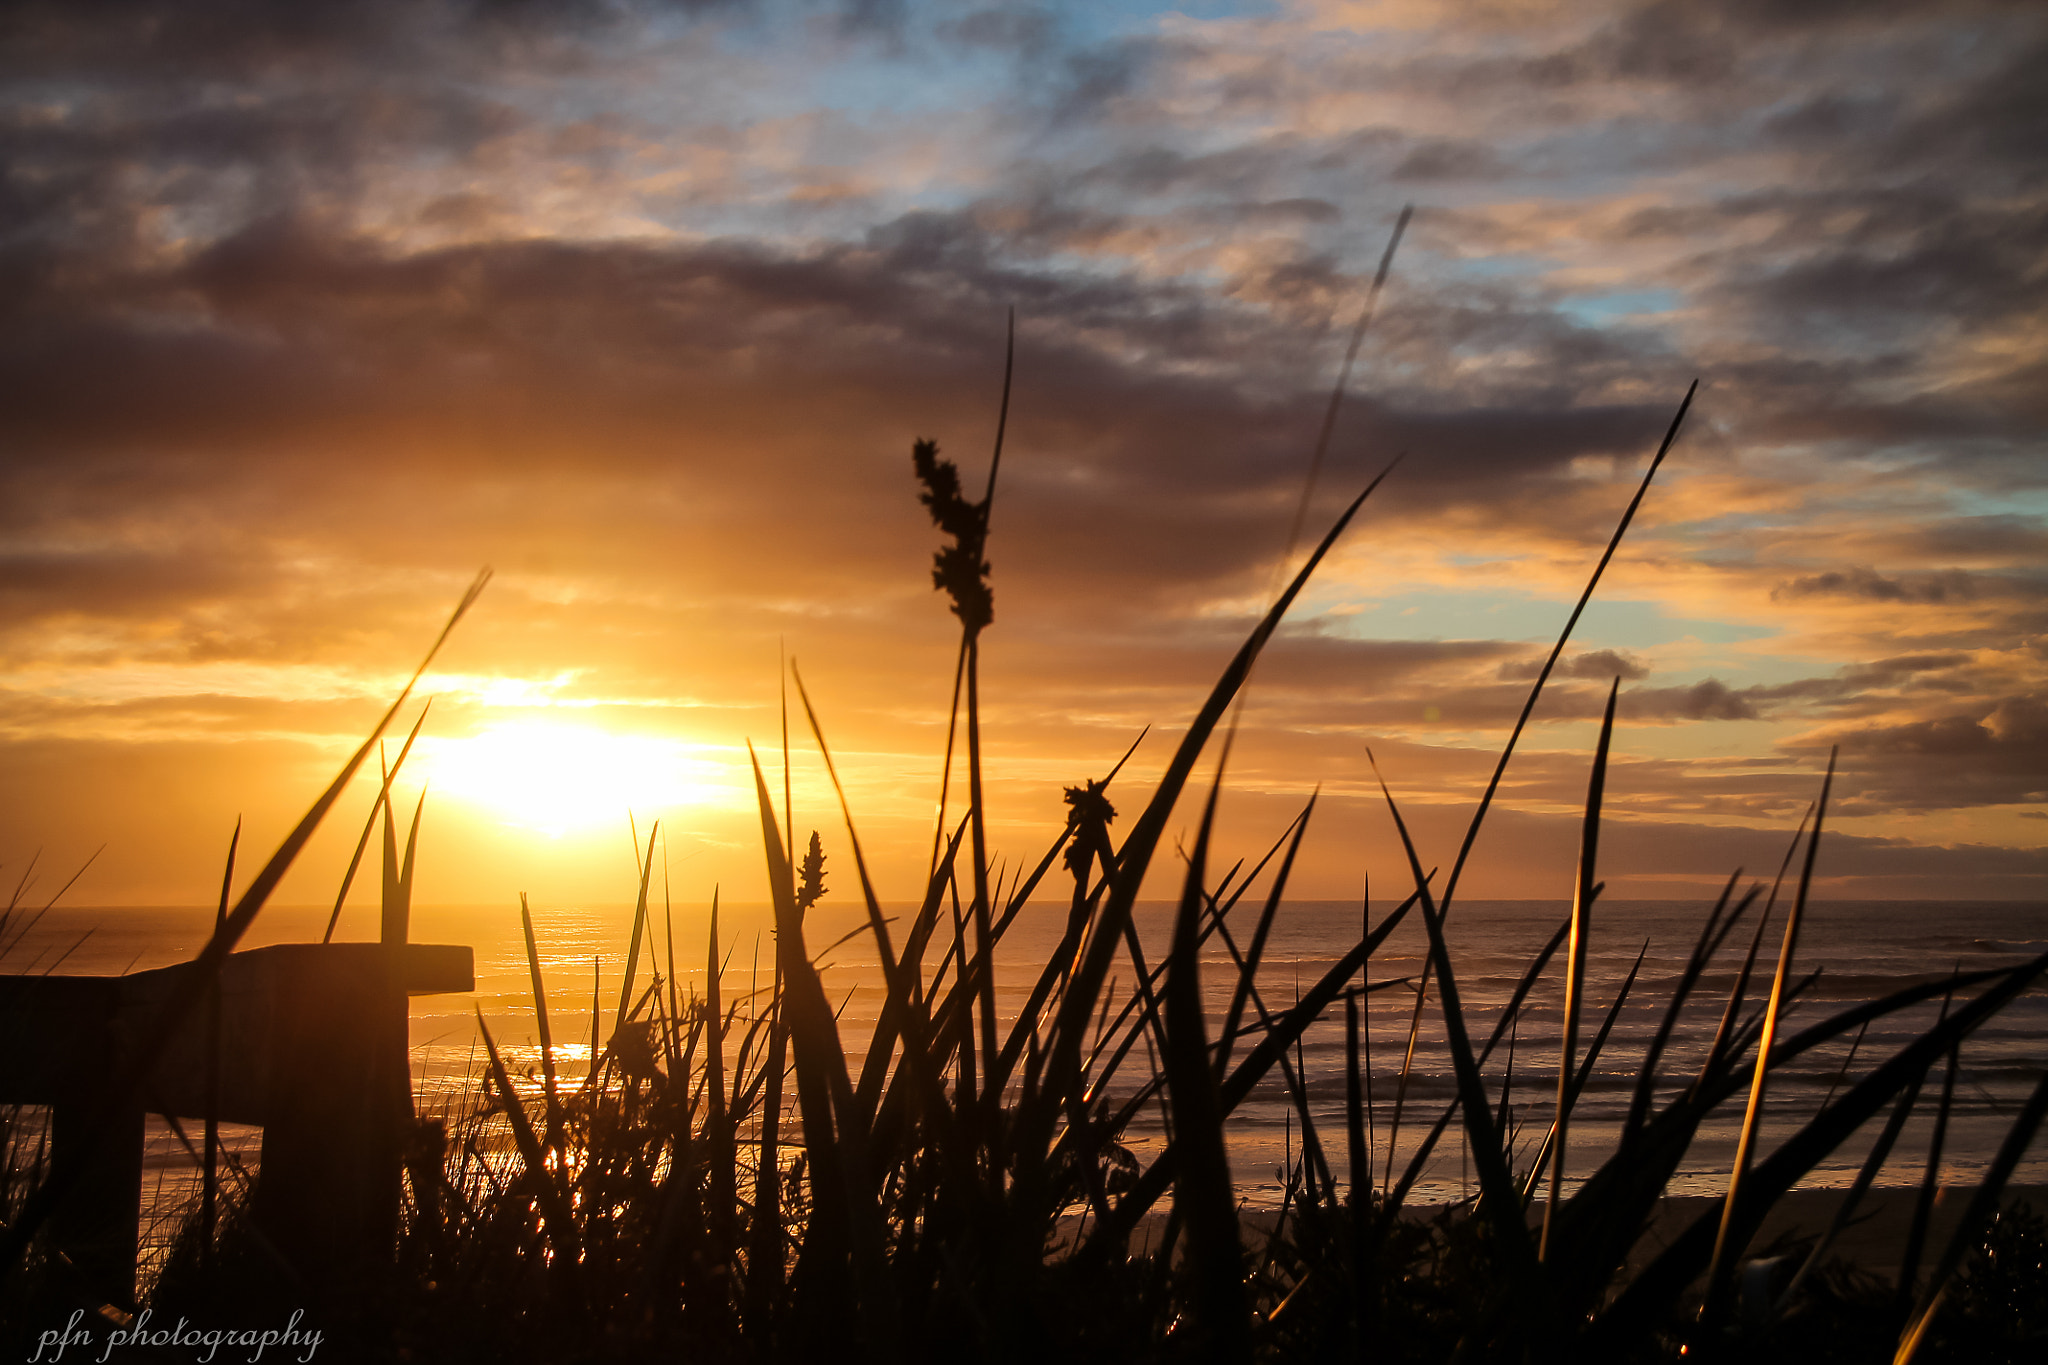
(727, 1184)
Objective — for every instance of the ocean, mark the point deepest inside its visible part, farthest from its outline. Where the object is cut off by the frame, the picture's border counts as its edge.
(1863, 950)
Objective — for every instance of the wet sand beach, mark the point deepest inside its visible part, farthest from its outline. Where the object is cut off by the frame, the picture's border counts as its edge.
(1872, 1240)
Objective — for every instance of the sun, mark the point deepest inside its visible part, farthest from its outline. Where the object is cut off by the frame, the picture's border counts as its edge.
(556, 779)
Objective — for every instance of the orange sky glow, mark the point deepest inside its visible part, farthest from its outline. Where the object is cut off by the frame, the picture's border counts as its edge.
(643, 305)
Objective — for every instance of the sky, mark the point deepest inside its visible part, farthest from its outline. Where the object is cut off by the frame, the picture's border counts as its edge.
(314, 310)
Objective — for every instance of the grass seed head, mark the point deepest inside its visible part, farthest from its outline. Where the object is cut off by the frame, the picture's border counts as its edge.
(958, 568)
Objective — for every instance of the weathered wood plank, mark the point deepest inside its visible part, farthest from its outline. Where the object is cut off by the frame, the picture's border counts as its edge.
(312, 1047)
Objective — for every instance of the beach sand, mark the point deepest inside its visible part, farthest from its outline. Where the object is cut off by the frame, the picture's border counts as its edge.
(1873, 1240)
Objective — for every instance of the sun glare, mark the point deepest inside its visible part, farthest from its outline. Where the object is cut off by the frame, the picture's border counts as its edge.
(563, 779)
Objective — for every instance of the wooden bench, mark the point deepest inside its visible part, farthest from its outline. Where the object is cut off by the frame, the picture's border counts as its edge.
(313, 1048)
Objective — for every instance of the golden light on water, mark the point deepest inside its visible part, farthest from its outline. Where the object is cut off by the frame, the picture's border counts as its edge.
(557, 779)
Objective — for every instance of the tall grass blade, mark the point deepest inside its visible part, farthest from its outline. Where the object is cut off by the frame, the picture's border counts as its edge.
(905, 1000)
(1499, 1201)
(547, 1038)
(1848, 1065)
(1584, 1072)
(1575, 963)
(395, 925)
(668, 935)
(370, 822)
(1248, 969)
(558, 1219)
(596, 977)
(1365, 988)
(67, 1169)
(1025, 887)
(971, 628)
(209, 1193)
(844, 1222)
(1845, 1207)
(1144, 1004)
(1077, 1005)
(1976, 1214)
(1407, 1068)
(946, 768)
(1653, 1292)
(1522, 721)
(1718, 1051)
(1202, 1190)
(639, 927)
(1272, 1045)
(1397, 1193)
(1315, 1172)
(1626, 1187)
(1359, 1154)
(717, 1125)
(1571, 623)
(877, 924)
(903, 1012)
(1329, 424)
(1711, 936)
(1923, 1204)
(980, 974)
(1754, 1114)
(1505, 1115)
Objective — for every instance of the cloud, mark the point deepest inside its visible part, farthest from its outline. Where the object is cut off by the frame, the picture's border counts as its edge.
(309, 314)
(1868, 584)
(1708, 699)
(1596, 665)
(1994, 756)
(1449, 159)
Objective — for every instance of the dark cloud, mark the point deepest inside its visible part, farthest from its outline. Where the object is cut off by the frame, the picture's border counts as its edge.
(2013, 534)
(114, 581)
(1997, 755)
(1241, 172)
(1908, 256)
(1596, 665)
(1847, 864)
(286, 337)
(1708, 699)
(310, 310)
(1446, 159)
(1088, 80)
(159, 37)
(1996, 125)
(1955, 585)
(1290, 211)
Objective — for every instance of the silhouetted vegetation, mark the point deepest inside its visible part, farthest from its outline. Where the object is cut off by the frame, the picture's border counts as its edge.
(728, 1183)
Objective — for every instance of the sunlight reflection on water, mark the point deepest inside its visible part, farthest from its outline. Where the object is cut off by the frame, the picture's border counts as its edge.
(1866, 948)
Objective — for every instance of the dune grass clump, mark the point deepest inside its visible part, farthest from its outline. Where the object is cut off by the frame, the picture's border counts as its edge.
(728, 1182)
